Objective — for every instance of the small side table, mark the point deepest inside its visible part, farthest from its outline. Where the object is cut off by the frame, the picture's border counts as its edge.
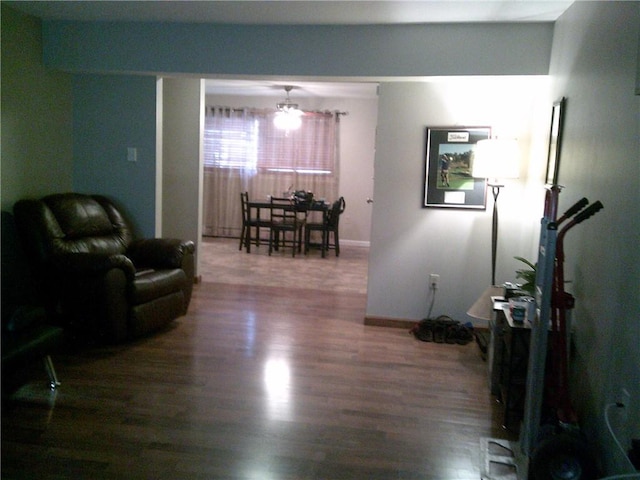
(496, 345)
(515, 358)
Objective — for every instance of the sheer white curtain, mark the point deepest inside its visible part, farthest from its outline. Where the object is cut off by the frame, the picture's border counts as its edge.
(244, 151)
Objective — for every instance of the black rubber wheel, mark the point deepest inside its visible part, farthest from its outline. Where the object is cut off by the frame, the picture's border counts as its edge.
(562, 457)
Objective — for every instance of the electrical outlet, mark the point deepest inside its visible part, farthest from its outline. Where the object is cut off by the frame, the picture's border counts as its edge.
(434, 280)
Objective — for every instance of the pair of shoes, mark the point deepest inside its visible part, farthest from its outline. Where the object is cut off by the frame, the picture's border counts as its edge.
(466, 335)
(433, 330)
(442, 330)
(423, 330)
(451, 334)
(440, 333)
(445, 326)
(460, 334)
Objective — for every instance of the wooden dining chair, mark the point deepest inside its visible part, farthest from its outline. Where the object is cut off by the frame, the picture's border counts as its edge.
(250, 223)
(286, 218)
(330, 224)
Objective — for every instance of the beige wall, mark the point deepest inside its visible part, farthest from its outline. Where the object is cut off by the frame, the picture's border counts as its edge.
(36, 155)
(182, 115)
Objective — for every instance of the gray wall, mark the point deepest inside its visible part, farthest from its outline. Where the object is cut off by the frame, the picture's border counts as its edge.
(101, 49)
(314, 50)
(409, 241)
(593, 65)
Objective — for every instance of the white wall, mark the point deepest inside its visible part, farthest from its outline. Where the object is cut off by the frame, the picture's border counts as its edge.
(357, 143)
(594, 64)
(357, 152)
(182, 160)
(408, 241)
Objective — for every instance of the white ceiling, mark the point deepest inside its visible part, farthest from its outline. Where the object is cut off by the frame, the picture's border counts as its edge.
(285, 12)
(309, 12)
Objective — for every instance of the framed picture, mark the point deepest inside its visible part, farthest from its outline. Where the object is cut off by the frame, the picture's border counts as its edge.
(448, 163)
(555, 137)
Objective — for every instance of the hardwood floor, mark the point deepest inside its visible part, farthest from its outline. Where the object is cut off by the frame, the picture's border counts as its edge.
(257, 382)
(221, 261)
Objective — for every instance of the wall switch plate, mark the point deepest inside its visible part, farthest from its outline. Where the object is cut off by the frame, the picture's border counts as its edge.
(132, 154)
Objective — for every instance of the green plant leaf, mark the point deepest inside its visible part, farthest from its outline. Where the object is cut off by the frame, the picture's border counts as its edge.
(525, 261)
(528, 275)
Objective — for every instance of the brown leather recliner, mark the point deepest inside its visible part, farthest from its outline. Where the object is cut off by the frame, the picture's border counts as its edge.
(94, 276)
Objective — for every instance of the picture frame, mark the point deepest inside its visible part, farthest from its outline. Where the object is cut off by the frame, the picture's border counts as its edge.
(555, 142)
(448, 164)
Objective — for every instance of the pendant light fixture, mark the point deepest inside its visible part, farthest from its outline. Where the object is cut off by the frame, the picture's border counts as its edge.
(287, 113)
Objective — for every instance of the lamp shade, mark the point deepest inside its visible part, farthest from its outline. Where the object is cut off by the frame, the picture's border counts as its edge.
(496, 158)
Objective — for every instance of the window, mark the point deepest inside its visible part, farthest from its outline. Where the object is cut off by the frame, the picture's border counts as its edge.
(248, 140)
(245, 152)
(230, 141)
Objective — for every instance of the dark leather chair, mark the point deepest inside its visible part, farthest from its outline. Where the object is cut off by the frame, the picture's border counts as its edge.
(26, 334)
(94, 276)
(330, 224)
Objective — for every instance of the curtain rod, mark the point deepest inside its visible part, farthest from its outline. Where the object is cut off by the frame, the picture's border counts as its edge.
(235, 109)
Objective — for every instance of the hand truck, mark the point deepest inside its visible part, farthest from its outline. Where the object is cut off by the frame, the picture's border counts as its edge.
(556, 450)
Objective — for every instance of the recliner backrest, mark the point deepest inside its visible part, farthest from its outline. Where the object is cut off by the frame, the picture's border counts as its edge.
(74, 223)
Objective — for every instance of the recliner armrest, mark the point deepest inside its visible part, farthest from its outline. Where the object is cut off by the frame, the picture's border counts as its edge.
(160, 252)
(92, 263)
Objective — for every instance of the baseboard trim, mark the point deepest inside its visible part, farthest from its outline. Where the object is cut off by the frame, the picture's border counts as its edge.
(389, 322)
(345, 242)
(355, 243)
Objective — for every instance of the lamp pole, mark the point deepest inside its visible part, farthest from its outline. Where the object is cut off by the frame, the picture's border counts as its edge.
(495, 159)
(495, 190)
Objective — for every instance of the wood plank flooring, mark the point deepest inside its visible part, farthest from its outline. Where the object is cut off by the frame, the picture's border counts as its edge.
(221, 261)
(257, 382)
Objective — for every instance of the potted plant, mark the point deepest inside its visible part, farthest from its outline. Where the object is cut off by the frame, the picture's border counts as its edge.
(528, 275)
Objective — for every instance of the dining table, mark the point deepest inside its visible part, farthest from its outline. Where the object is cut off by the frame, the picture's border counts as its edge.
(265, 205)
(313, 206)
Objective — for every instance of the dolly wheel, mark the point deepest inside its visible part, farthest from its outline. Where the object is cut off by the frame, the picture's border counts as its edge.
(562, 457)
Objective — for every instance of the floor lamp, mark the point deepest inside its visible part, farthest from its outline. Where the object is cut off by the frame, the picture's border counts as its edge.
(495, 159)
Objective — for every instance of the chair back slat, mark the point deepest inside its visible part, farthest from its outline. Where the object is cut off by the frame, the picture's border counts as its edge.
(283, 211)
(286, 217)
(244, 201)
